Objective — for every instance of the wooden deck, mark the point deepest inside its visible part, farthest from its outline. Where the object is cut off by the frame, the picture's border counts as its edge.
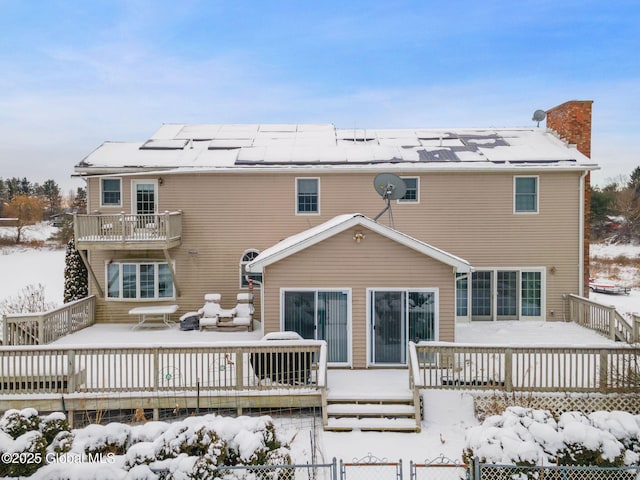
(275, 374)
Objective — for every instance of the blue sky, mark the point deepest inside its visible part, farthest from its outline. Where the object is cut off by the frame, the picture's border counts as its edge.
(77, 73)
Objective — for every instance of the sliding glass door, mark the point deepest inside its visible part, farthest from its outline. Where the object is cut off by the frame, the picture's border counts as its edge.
(321, 315)
(395, 318)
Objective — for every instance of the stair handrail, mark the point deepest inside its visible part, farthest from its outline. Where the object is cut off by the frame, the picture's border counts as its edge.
(601, 318)
(415, 380)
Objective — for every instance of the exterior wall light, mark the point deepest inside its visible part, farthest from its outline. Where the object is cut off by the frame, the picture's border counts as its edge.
(358, 236)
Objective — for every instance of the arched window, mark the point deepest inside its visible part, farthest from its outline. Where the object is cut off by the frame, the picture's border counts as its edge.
(247, 257)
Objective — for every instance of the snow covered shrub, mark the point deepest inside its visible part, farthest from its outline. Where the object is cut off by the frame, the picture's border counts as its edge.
(148, 432)
(193, 440)
(142, 453)
(520, 436)
(589, 440)
(22, 455)
(61, 443)
(95, 440)
(52, 425)
(17, 422)
(528, 437)
(203, 468)
(261, 447)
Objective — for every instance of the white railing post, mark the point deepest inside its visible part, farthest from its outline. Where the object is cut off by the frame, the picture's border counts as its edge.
(71, 371)
(508, 370)
(239, 361)
(41, 340)
(604, 371)
(635, 320)
(123, 225)
(612, 322)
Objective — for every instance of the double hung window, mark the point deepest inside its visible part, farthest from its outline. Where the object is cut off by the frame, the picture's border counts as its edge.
(525, 199)
(307, 195)
(110, 192)
(411, 196)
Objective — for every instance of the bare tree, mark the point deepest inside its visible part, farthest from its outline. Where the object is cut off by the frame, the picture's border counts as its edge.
(29, 300)
(628, 206)
(26, 209)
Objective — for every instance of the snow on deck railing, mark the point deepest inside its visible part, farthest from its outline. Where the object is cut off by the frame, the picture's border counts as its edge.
(251, 367)
(41, 328)
(601, 318)
(128, 227)
(529, 369)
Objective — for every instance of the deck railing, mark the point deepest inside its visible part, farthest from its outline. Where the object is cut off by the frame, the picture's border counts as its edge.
(126, 227)
(604, 319)
(526, 369)
(237, 367)
(42, 328)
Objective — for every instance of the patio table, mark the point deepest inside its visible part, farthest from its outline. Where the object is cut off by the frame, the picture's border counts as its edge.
(162, 312)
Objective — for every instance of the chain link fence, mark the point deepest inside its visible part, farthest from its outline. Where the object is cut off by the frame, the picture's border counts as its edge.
(327, 471)
(513, 472)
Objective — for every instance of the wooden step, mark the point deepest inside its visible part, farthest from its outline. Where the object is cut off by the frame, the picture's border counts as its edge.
(377, 412)
(373, 424)
(394, 397)
(370, 410)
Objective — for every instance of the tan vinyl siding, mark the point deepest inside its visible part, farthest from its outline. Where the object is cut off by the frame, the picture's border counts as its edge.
(375, 262)
(467, 214)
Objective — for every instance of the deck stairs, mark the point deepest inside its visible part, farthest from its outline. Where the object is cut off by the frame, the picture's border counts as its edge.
(377, 400)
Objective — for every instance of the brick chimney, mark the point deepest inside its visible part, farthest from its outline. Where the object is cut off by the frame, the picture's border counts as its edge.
(572, 122)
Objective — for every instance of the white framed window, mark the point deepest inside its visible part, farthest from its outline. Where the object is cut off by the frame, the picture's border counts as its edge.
(139, 281)
(462, 295)
(502, 293)
(110, 192)
(247, 257)
(412, 194)
(307, 196)
(144, 196)
(525, 194)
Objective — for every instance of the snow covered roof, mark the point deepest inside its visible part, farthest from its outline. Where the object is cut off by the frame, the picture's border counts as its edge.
(314, 235)
(179, 146)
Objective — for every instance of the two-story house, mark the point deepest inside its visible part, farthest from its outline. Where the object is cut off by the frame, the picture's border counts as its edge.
(490, 226)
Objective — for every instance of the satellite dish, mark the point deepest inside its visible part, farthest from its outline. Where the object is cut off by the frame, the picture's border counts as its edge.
(390, 187)
(538, 116)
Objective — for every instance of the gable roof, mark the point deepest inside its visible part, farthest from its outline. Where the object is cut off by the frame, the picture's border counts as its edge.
(242, 147)
(317, 234)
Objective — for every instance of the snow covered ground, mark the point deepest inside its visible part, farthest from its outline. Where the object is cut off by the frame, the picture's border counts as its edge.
(448, 415)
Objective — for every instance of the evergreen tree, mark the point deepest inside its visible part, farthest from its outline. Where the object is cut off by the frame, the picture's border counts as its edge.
(25, 188)
(76, 279)
(65, 230)
(602, 205)
(50, 193)
(79, 204)
(4, 195)
(634, 180)
(13, 187)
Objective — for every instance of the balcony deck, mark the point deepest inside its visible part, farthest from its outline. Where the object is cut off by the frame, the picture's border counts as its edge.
(126, 231)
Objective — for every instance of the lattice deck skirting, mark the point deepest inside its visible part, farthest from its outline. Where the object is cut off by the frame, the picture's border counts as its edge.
(496, 403)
